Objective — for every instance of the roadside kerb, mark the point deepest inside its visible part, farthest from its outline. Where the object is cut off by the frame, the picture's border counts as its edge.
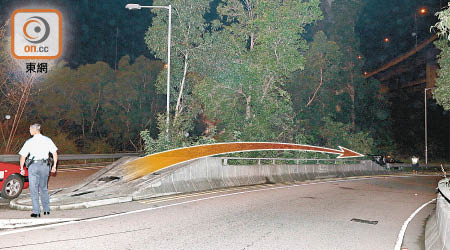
(437, 232)
(210, 173)
(87, 204)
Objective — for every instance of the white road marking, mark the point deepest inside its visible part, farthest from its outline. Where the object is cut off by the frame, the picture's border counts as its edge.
(79, 169)
(190, 195)
(18, 223)
(193, 201)
(401, 234)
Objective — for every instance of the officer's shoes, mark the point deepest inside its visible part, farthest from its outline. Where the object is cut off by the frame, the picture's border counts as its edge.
(35, 215)
(47, 213)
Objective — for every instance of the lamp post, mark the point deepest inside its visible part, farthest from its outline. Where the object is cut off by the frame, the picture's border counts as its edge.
(422, 11)
(426, 129)
(133, 6)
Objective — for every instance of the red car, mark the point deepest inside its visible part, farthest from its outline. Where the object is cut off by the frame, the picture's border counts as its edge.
(11, 182)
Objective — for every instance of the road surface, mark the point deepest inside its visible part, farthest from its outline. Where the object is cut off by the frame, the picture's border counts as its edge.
(357, 213)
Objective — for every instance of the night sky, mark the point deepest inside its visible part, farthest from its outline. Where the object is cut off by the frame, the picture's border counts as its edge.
(396, 20)
(95, 28)
(103, 30)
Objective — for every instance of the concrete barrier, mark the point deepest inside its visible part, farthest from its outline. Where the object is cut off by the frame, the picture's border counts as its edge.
(437, 232)
(211, 173)
(108, 185)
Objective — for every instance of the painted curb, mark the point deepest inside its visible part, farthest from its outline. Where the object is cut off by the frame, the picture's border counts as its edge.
(95, 203)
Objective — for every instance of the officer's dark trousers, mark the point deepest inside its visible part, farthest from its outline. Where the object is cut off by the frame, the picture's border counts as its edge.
(38, 177)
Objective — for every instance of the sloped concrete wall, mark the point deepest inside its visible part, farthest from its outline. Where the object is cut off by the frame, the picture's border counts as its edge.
(437, 232)
(210, 173)
(108, 186)
(443, 221)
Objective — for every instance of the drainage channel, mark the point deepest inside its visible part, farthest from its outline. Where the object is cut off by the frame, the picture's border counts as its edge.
(372, 222)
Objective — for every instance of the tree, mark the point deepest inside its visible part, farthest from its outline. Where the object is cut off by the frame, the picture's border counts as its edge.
(330, 93)
(368, 109)
(313, 89)
(188, 29)
(341, 29)
(337, 133)
(16, 86)
(131, 102)
(252, 50)
(76, 96)
(101, 108)
(442, 91)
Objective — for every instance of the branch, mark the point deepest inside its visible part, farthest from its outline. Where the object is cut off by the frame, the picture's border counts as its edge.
(317, 89)
(177, 111)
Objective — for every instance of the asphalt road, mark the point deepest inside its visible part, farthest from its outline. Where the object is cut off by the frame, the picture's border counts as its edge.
(310, 215)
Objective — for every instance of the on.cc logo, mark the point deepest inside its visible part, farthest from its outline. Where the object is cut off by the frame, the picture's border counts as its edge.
(36, 34)
(36, 29)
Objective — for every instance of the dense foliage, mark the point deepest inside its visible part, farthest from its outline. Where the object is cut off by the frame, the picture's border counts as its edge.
(253, 77)
(442, 91)
(91, 108)
(252, 70)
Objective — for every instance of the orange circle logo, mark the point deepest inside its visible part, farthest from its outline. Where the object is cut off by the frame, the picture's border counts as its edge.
(36, 29)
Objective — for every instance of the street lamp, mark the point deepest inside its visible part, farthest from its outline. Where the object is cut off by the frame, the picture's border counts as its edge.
(422, 11)
(426, 130)
(133, 6)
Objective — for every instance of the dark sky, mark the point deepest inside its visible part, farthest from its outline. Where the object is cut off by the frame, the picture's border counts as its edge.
(95, 28)
(397, 20)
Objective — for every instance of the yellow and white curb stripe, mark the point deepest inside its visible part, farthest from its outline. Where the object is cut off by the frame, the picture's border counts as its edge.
(62, 170)
(19, 223)
(210, 192)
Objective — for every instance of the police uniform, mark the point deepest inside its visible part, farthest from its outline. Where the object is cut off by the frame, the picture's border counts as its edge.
(39, 146)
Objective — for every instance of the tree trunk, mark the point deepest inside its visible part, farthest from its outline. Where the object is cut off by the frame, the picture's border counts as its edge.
(19, 112)
(96, 111)
(183, 80)
(82, 127)
(248, 111)
(317, 89)
(267, 86)
(351, 92)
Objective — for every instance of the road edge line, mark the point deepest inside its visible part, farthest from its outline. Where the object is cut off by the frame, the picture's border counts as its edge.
(401, 234)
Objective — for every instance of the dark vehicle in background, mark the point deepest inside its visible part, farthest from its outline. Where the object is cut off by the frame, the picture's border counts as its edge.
(11, 181)
(383, 159)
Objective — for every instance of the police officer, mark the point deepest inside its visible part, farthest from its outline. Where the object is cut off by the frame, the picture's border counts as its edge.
(38, 148)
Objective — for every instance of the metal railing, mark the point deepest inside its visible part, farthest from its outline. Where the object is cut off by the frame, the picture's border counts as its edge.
(286, 161)
(401, 166)
(69, 157)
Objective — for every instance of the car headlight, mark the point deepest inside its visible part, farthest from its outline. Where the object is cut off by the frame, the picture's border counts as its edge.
(2, 175)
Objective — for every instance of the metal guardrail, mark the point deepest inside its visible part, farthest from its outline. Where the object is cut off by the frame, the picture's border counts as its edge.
(289, 161)
(67, 157)
(421, 166)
